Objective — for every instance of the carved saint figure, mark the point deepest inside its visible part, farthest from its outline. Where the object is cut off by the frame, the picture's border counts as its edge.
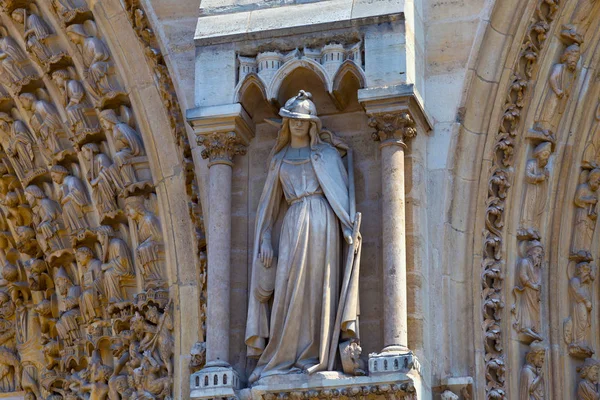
(47, 214)
(70, 9)
(38, 36)
(531, 386)
(150, 247)
(73, 199)
(67, 325)
(128, 145)
(562, 77)
(577, 326)
(585, 213)
(18, 144)
(117, 264)
(96, 56)
(45, 121)
(91, 280)
(587, 389)
(104, 179)
(528, 290)
(10, 363)
(14, 63)
(308, 184)
(536, 174)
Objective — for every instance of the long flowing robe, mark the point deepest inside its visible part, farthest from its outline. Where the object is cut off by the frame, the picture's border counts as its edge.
(526, 385)
(535, 194)
(580, 315)
(73, 199)
(306, 290)
(128, 145)
(584, 218)
(528, 313)
(587, 390)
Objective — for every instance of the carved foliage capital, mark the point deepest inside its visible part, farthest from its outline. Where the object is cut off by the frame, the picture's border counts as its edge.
(221, 147)
(399, 127)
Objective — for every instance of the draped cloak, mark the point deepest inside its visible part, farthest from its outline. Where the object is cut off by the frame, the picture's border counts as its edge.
(333, 180)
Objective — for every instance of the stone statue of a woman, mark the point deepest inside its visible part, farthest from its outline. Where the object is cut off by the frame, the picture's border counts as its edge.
(300, 265)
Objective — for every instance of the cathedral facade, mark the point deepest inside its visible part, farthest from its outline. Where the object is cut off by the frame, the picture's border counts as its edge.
(299, 199)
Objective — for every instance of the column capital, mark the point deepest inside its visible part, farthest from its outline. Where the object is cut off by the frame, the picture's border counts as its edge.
(395, 112)
(224, 131)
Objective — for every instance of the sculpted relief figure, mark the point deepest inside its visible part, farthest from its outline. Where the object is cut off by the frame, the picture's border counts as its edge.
(69, 10)
(41, 41)
(528, 292)
(10, 364)
(45, 121)
(100, 75)
(104, 179)
(73, 199)
(536, 175)
(17, 144)
(91, 280)
(47, 218)
(560, 82)
(577, 326)
(70, 314)
(307, 186)
(531, 386)
(130, 152)
(150, 249)
(586, 214)
(117, 264)
(15, 67)
(587, 389)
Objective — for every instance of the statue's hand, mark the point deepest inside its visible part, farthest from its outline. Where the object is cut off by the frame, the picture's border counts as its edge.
(266, 253)
(348, 235)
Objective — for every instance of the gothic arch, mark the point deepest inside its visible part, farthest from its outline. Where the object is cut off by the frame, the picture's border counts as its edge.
(511, 117)
(98, 244)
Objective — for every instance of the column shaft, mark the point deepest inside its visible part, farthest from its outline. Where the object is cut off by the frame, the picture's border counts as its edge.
(394, 247)
(219, 264)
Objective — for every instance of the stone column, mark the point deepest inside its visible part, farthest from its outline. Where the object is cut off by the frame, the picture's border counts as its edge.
(395, 114)
(393, 130)
(223, 131)
(220, 149)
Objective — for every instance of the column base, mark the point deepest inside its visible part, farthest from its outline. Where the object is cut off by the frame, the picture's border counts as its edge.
(392, 359)
(216, 380)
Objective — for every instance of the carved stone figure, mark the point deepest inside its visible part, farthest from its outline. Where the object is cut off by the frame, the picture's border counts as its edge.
(91, 280)
(577, 326)
(70, 9)
(150, 251)
(41, 41)
(309, 175)
(47, 218)
(10, 364)
(67, 324)
(585, 213)
(531, 386)
(73, 199)
(587, 389)
(536, 174)
(18, 145)
(560, 82)
(45, 121)
(117, 264)
(580, 21)
(528, 291)
(100, 74)
(104, 179)
(15, 67)
(128, 146)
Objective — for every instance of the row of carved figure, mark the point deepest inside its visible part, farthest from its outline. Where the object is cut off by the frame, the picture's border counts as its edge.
(543, 137)
(84, 310)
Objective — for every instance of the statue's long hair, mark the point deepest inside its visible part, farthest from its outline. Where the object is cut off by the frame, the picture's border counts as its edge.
(284, 137)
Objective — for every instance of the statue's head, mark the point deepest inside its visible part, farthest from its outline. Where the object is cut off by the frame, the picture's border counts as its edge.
(535, 251)
(542, 152)
(537, 354)
(589, 370)
(300, 110)
(570, 56)
(594, 179)
(62, 281)
(76, 33)
(58, 173)
(83, 255)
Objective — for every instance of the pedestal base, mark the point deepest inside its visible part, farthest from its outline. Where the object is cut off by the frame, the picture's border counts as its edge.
(331, 385)
(392, 361)
(212, 382)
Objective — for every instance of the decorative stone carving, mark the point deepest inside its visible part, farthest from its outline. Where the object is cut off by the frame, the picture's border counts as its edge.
(104, 178)
(531, 386)
(47, 219)
(130, 158)
(299, 162)
(577, 326)
(117, 265)
(71, 10)
(67, 325)
(82, 118)
(73, 199)
(100, 75)
(559, 89)
(587, 389)
(150, 249)
(46, 122)
(16, 69)
(586, 214)
(91, 281)
(580, 21)
(528, 292)
(19, 147)
(41, 41)
(10, 363)
(536, 176)
(391, 128)
(220, 148)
